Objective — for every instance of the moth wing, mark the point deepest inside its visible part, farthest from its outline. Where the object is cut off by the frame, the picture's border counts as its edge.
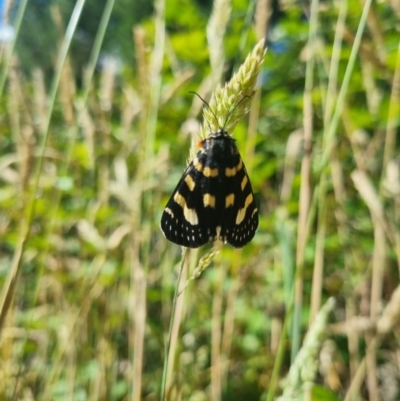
(240, 220)
(184, 220)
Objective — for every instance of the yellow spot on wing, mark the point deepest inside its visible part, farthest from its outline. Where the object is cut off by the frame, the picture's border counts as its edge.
(179, 199)
(197, 165)
(230, 200)
(242, 212)
(230, 172)
(248, 201)
(190, 214)
(169, 211)
(209, 200)
(190, 182)
(207, 171)
(210, 172)
(244, 182)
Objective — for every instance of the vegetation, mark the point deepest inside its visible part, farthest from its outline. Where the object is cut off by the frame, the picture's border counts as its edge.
(95, 304)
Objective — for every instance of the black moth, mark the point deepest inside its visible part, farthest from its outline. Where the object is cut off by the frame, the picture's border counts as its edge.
(214, 199)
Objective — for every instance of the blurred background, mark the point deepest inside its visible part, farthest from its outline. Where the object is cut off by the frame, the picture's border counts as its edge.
(96, 123)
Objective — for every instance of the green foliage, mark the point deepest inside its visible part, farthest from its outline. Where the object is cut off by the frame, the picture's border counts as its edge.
(45, 22)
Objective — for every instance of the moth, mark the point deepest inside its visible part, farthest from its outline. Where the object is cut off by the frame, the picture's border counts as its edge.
(214, 199)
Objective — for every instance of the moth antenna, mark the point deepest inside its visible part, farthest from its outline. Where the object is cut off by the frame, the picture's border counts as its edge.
(231, 113)
(208, 106)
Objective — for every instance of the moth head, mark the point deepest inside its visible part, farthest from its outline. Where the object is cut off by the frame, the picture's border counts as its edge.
(221, 130)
